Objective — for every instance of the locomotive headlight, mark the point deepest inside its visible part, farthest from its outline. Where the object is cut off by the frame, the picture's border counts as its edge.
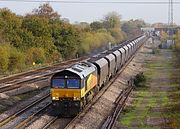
(55, 98)
(76, 98)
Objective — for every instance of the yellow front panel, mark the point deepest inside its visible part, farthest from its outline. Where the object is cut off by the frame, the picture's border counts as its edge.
(65, 93)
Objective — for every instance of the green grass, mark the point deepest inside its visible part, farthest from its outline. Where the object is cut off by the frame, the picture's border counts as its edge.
(147, 101)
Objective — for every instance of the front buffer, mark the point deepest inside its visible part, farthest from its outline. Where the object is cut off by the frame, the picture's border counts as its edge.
(66, 108)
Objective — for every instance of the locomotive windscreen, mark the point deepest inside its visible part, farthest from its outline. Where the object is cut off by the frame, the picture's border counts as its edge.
(58, 83)
(73, 83)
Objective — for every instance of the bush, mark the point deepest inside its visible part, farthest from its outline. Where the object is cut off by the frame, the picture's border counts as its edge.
(35, 55)
(54, 57)
(16, 60)
(155, 51)
(94, 40)
(140, 80)
(4, 57)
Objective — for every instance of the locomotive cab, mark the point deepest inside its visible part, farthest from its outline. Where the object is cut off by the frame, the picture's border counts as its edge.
(66, 93)
(70, 86)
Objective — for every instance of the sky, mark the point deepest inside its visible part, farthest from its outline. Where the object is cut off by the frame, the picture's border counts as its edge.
(93, 12)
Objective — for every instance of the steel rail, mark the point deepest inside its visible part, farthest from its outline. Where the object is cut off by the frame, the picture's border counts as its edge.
(13, 116)
(20, 125)
(110, 121)
(50, 122)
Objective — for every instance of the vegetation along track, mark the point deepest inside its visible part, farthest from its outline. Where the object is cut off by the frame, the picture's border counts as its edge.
(21, 111)
(13, 82)
(120, 103)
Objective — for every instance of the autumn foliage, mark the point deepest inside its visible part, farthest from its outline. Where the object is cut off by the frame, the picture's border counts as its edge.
(42, 36)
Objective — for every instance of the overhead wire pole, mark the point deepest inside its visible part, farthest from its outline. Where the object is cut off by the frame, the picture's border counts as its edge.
(170, 19)
(170, 40)
(169, 7)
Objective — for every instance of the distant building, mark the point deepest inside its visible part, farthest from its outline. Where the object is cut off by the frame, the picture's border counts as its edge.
(148, 29)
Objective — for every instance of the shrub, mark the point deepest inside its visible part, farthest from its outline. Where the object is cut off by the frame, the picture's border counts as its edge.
(155, 51)
(35, 55)
(4, 57)
(16, 60)
(54, 57)
(140, 80)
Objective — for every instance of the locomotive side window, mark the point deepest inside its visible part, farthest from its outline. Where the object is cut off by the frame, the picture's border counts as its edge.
(73, 83)
(58, 83)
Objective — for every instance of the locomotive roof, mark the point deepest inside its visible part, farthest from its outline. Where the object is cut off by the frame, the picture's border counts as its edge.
(82, 69)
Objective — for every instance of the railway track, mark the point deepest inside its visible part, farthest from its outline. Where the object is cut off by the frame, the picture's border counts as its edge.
(16, 85)
(57, 123)
(28, 119)
(120, 104)
(14, 82)
(37, 71)
(6, 120)
(50, 122)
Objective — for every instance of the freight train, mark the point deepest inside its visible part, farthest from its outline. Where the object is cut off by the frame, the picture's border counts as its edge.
(73, 87)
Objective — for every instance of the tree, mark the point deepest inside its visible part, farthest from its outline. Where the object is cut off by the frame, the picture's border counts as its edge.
(112, 20)
(163, 36)
(177, 42)
(133, 27)
(118, 35)
(45, 42)
(10, 24)
(45, 10)
(28, 40)
(96, 25)
(66, 38)
(84, 26)
(36, 55)
(139, 23)
(2, 37)
(39, 26)
(55, 57)
(16, 60)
